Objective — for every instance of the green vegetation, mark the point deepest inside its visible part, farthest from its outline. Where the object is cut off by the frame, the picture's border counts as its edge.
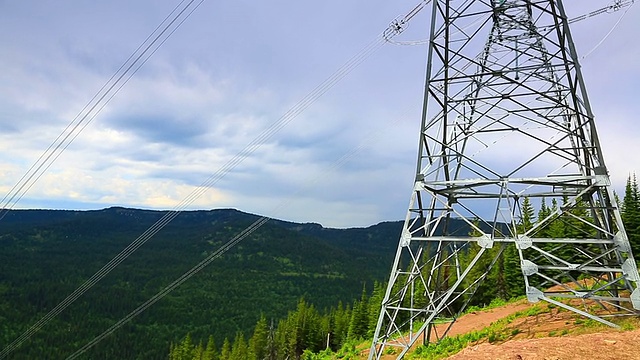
(496, 332)
(46, 255)
(304, 334)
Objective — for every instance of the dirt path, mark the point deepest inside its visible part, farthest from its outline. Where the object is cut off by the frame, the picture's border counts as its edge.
(473, 321)
(534, 340)
(599, 346)
(479, 320)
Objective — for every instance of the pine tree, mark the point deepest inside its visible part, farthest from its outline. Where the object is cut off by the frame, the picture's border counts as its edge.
(375, 305)
(556, 228)
(198, 352)
(513, 277)
(210, 350)
(492, 285)
(184, 350)
(631, 213)
(225, 352)
(239, 350)
(341, 319)
(359, 323)
(527, 218)
(259, 340)
(543, 213)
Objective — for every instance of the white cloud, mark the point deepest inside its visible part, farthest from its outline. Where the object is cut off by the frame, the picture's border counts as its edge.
(223, 78)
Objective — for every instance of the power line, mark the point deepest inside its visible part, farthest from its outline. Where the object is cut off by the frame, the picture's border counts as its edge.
(136, 60)
(265, 135)
(610, 31)
(231, 243)
(399, 24)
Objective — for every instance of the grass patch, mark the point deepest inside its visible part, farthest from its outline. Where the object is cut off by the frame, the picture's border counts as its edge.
(494, 333)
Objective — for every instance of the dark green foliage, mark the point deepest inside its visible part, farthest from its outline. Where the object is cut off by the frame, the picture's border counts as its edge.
(513, 278)
(302, 334)
(46, 255)
(528, 216)
(259, 342)
(375, 305)
(631, 213)
(359, 324)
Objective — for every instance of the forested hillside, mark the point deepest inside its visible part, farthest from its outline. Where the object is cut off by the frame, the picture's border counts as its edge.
(45, 255)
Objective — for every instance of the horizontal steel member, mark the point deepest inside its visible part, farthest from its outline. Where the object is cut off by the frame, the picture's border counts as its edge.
(512, 240)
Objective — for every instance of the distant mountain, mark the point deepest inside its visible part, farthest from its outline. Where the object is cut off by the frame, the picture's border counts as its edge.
(47, 254)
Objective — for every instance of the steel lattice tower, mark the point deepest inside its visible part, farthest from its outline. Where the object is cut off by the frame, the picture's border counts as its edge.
(506, 121)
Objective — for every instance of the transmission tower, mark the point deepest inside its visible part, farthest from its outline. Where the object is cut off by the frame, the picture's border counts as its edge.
(506, 123)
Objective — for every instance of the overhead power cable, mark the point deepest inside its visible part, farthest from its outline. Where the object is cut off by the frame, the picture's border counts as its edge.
(613, 7)
(138, 58)
(262, 138)
(234, 241)
(399, 24)
(609, 33)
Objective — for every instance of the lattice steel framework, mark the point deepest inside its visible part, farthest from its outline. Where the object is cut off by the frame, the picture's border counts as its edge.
(506, 120)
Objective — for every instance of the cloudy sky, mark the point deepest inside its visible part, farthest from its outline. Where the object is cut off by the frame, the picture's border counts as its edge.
(230, 71)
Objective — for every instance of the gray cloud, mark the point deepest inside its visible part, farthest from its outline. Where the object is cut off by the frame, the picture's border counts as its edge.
(232, 70)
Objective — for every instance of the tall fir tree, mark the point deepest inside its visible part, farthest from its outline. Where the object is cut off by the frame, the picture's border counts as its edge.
(259, 341)
(375, 304)
(631, 213)
(239, 350)
(358, 327)
(225, 352)
(210, 352)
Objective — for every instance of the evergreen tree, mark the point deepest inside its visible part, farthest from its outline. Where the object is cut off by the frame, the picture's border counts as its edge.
(184, 350)
(210, 351)
(225, 352)
(198, 352)
(543, 213)
(492, 285)
(239, 350)
(359, 323)
(576, 228)
(281, 338)
(341, 319)
(302, 330)
(486, 290)
(631, 213)
(375, 305)
(527, 218)
(259, 341)
(556, 228)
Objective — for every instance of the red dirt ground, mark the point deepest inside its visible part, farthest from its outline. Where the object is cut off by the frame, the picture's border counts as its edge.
(537, 337)
(598, 346)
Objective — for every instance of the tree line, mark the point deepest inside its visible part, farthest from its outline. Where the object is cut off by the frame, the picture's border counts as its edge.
(303, 332)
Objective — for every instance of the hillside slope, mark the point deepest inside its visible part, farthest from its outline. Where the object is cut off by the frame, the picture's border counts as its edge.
(47, 254)
(524, 331)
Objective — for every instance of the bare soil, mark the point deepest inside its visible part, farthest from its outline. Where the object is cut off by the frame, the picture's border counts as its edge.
(553, 334)
(598, 346)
